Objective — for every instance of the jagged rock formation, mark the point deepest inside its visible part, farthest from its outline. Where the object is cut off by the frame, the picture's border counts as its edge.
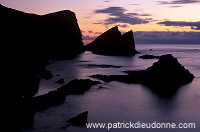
(112, 42)
(164, 77)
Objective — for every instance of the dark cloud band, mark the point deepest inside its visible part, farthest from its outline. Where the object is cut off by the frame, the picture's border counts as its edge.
(118, 15)
(193, 25)
(179, 2)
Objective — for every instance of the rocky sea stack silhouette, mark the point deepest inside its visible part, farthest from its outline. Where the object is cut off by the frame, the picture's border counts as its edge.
(164, 77)
(112, 42)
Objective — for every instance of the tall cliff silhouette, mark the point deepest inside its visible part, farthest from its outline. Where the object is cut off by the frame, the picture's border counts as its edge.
(112, 42)
(27, 41)
(54, 35)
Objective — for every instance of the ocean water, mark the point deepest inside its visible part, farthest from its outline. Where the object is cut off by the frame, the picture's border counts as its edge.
(120, 102)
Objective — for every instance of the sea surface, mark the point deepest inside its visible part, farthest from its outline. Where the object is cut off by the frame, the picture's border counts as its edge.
(120, 102)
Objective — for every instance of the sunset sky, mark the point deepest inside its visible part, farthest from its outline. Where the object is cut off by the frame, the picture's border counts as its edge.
(160, 19)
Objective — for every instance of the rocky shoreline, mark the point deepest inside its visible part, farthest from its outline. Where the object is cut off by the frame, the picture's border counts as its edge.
(31, 41)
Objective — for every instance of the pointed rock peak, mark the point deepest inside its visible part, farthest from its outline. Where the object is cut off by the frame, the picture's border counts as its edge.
(168, 58)
(113, 30)
(112, 42)
(128, 33)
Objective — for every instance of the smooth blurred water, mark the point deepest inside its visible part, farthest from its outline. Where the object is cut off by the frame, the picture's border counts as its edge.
(120, 102)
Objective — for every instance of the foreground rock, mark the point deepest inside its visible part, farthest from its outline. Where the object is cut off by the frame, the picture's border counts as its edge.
(49, 99)
(56, 97)
(149, 57)
(46, 74)
(60, 81)
(77, 86)
(163, 77)
(112, 42)
(79, 120)
(101, 66)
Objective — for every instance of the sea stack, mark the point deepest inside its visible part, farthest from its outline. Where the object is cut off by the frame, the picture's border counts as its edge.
(164, 77)
(167, 72)
(112, 42)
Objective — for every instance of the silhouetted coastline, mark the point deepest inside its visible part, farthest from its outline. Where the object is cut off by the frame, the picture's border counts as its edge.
(32, 41)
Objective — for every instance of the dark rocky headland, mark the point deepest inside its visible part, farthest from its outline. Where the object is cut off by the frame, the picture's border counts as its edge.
(28, 41)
